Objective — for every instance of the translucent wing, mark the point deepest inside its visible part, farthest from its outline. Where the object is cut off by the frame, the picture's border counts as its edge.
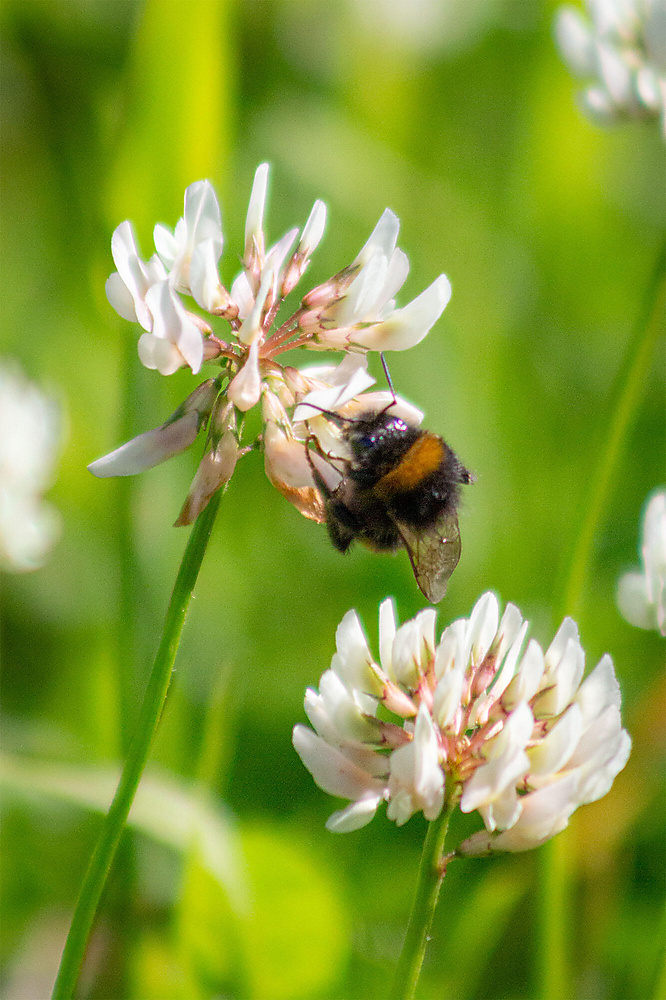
(433, 553)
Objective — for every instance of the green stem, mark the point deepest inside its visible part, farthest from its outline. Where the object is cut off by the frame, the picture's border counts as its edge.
(554, 974)
(624, 401)
(151, 710)
(431, 874)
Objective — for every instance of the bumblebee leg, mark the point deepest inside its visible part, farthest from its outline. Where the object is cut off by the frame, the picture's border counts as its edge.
(340, 531)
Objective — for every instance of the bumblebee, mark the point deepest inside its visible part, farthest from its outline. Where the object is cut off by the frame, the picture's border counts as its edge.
(400, 488)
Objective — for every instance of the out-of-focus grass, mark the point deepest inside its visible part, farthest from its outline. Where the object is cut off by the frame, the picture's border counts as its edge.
(548, 230)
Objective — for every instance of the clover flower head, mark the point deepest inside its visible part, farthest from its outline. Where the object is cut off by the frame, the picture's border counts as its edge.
(30, 430)
(354, 312)
(621, 52)
(641, 596)
(507, 730)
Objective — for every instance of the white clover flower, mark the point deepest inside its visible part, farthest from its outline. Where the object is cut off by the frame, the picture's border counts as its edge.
(516, 735)
(30, 430)
(641, 597)
(354, 311)
(621, 51)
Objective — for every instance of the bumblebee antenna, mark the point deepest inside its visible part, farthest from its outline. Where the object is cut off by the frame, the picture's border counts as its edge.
(336, 418)
(388, 375)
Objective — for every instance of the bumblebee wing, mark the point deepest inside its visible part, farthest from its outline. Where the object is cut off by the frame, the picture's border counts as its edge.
(434, 554)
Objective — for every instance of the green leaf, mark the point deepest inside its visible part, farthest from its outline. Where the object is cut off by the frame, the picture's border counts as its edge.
(164, 810)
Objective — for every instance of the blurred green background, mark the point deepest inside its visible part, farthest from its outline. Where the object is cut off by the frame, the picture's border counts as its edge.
(459, 115)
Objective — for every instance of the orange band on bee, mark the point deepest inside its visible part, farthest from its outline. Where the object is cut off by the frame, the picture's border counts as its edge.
(423, 458)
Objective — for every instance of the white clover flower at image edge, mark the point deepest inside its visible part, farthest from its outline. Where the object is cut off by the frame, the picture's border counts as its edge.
(620, 51)
(641, 596)
(511, 731)
(30, 431)
(353, 312)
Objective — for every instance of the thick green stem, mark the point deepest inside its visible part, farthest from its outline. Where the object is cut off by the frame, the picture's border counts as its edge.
(151, 710)
(431, 874)
(624, 401)
(554, 973)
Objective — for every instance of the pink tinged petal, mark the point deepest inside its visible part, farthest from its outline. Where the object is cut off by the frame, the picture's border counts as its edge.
(449, 653)
(351, 714)
(504, 811)
(567, 630)
(633, 600)
(446, 701)
(408, 326)
(166, 244)
(137, 276)
(352, 661)
(482, 628)
(355, 305)
(654, 556)
(387, 630)
(355, 816)
(383, 237)
(172, 324)
(276, 256)
(597, 103)
(337, 395)
(514, 735)
(321, 711)
(559, 686)
(544, 813)
(255, 211)
(205, 284)
(375, 402)
(396, 275)
(508, 631)
(598, 690)
(416, 780)
(149, 449)
(648, 88)
(489, 780)
(412, 647)
(596, 781)
(124, 248)
(332, 771)
(526, 682)
(251, 329)
(202, 214)
(554, 751)
(245, 387)
(601, 752)
(575, 41)
(285, 458)
(241, 293)
(160, 355)
(615, 74)
(313, 230)
(503, 679)
(120, 297)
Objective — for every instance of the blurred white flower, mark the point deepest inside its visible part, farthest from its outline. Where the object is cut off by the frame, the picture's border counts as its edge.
(518, 736)
(354, 311)
(641, 597)
(621, 52)
(30, 430)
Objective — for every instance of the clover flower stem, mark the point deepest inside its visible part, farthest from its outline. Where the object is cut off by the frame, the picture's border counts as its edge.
(127, 644)
(624, 401)
(149, 716)
(553, 974)
(429, 881)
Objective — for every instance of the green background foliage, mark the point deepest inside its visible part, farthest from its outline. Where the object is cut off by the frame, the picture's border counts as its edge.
(227, 883)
